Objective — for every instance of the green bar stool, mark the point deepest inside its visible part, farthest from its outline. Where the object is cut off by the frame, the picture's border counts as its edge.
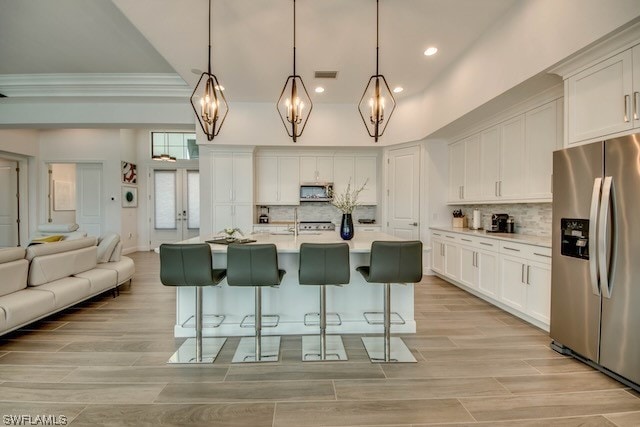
(323, 264)
(391, 262)
(190, 265)
(256, 266)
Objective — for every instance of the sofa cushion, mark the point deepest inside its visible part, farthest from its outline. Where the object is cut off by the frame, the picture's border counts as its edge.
(99, 279)
(117, 253)
(67, 291)
(125, 268)
(11, 254)
(106, 245)
(13, 276)
(48, 268)
(58, 247)
(47, 239)
(26, 305)
(3, 320)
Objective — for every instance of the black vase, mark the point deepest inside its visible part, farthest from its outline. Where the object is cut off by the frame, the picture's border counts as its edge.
(346, 227)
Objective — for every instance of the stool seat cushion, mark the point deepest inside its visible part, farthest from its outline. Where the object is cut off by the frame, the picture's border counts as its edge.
(188, 265)
(324, 264)
(253, 265)
(394, 262)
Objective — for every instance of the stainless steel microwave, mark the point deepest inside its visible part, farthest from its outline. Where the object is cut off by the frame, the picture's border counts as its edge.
(316, 192)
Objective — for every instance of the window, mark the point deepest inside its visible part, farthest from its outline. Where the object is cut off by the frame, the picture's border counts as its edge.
(180, 145)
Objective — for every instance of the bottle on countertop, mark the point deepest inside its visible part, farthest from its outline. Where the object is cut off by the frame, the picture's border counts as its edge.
(511, 225)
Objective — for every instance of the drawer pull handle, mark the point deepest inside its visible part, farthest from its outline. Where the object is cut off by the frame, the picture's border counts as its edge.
(546, 256)
(436, 234)
(511, 249)
(466, 240)
(486, 244)
(450, 237)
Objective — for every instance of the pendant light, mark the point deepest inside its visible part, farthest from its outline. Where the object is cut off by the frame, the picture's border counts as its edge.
(164, 157)
(208, 100)
(377, 98)
(294, 105)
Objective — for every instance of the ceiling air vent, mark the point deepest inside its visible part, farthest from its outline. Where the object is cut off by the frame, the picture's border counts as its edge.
(326, 74)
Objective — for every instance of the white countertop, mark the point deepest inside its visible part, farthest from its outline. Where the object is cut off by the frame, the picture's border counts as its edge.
(544, 241)
(361, 242)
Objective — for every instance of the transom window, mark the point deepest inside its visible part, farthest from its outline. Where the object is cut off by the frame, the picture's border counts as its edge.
(181, 145)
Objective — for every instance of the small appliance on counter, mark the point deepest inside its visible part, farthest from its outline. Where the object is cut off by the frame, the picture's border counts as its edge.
(498, 223)
(511, 225)
(264, 215)
(366, 221)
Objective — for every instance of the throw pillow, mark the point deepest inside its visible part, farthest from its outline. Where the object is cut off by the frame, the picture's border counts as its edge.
(106, 246)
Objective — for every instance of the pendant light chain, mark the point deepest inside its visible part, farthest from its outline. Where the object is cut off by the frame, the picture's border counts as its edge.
(294, 37)
(377, 35)
(209, 40)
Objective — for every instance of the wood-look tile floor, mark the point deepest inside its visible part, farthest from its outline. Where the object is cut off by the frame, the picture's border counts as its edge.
(103, 363)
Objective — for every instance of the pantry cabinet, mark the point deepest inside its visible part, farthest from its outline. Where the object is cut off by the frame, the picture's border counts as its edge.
(277, 180)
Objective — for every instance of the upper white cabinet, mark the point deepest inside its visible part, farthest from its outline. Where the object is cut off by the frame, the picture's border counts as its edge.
(277, 180)
(343, 173)
(232, 179)
(366, 170)
(510, 161)
(316, 169)
(600, 99)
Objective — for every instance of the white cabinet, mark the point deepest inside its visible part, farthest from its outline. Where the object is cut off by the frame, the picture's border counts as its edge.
(600, 98)
(233, 216)
(541, 136)
(316, 169)
(456, 171)
(366, 170)
(489, 163)
(514, 276)
(472, 187)
(368, 228)
(232, 190)
(277, 180)
(512, 158)
(357, 170)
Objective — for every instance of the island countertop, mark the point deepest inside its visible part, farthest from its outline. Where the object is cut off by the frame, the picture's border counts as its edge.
(287, 243)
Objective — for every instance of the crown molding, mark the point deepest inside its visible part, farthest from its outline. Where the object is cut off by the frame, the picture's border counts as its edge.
(94, 85)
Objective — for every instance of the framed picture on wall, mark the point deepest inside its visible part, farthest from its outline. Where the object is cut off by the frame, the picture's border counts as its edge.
(64, 196)
(129, 173)
(129, 197)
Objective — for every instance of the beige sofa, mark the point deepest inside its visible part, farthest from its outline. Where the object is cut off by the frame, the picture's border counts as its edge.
(47, 278)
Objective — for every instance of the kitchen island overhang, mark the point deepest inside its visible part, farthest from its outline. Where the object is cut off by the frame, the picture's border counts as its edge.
(291, 301)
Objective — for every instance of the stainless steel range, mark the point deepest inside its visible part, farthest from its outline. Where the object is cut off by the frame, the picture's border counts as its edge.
(316, 226)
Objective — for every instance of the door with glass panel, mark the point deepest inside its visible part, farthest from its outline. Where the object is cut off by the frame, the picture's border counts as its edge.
(175, 205)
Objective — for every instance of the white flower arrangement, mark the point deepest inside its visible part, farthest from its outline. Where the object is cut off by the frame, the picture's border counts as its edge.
(230, 232)
(348, 200)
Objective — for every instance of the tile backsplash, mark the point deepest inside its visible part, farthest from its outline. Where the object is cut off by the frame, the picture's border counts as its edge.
(530, 218)
(317, 211)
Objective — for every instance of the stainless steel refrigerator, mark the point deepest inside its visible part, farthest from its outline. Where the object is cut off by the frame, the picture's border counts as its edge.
(595, 290)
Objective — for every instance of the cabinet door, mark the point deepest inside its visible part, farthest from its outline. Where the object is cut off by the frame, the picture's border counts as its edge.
(540, 137)
(222, 217)
(242, 178)
(267, 180)
(451, 260)
(343, 173)
(456, 171)
(366, 171)
(223, 177)
(468, 270)
(308, 169)
(538, 279)
(324, 166)
(489, 163)
(513, 291)
(512, 155)
(635, 101)
(472, 174)
(243, 217)
(596, 99)
(288, 181)
(488, 280)
(437, 256)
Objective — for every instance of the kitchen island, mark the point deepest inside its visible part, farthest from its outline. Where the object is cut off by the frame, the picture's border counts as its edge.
(291, 300)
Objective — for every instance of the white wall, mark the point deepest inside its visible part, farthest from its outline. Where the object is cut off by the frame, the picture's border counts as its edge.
(532, 37)
(19, 141)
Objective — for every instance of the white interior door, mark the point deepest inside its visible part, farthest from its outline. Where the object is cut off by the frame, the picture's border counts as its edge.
(175, 205)
(403, 202)
(8, 204)
(89, 198)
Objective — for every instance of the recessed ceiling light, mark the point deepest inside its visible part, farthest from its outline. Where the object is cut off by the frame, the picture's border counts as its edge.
(430, 51)
(319, 89)
(398, 89)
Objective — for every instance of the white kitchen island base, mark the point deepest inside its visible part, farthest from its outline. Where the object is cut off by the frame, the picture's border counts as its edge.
(291, 301)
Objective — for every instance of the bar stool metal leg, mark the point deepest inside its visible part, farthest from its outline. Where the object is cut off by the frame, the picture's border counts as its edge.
(385, 348)
(323, 347)
(258, 348)
(198, 350)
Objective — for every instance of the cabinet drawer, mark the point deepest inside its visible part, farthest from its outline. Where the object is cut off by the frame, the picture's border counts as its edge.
(446, 236)
(479, 242)
(530, 252)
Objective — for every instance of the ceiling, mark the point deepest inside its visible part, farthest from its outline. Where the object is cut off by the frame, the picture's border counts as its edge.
(252, 40)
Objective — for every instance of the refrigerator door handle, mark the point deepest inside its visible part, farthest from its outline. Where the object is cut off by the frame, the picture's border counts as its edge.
(593, 241)
(608, 200)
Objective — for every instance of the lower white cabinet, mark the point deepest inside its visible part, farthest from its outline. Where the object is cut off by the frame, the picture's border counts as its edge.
(514, 276)
(233, 216)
